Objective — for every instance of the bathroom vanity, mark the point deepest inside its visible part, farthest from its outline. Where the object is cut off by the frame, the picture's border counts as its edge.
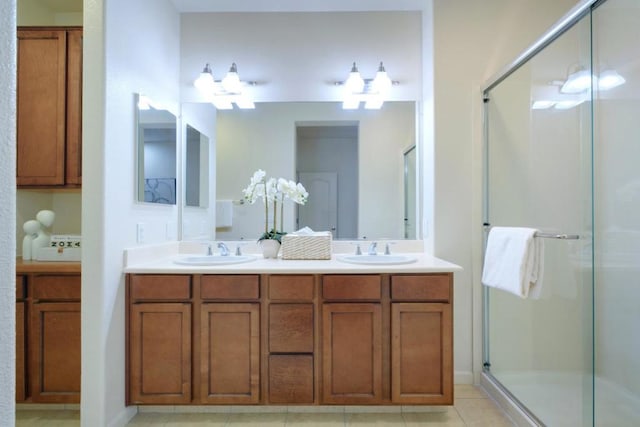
(280, 332)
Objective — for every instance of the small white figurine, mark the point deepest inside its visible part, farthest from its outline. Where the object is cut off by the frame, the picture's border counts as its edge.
(43, 238)
(31, 228)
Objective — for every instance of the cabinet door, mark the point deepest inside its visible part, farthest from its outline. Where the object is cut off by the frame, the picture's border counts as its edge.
(41, 108)
(73, 169)
(421, 353)
(230, 344)
(352, 353)
(20, 356)
(160, 353)
(55, 352)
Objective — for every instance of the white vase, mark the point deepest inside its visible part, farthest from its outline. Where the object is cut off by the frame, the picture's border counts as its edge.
(270, 248)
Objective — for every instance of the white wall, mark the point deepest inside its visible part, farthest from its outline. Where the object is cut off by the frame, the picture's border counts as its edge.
(129, 47)
(473, 41)
(7, 211)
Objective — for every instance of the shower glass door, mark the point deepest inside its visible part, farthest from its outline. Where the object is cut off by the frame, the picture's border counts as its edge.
(616, 61)
(539, 175)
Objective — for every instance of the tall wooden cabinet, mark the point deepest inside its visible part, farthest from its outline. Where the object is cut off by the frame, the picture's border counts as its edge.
(49, 106)
(21, 363)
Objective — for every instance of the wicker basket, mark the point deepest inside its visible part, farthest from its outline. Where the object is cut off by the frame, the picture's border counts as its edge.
(317, 246)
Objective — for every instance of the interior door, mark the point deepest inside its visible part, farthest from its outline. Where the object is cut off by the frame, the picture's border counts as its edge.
(320, 213)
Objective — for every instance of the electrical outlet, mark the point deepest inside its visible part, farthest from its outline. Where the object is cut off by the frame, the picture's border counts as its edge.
(140, 238)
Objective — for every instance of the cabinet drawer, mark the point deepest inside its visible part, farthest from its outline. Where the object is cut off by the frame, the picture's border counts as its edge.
(291, 379)
(427, 287)
(291, 328)
(351, 287)
(291, 288)
(237, 287)
(20, 288)
(56, 287)
(160, 287)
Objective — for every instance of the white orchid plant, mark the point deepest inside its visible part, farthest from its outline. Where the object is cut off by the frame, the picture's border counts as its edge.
(273, 191)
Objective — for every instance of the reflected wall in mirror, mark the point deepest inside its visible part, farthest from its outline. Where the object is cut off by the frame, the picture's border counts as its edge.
(156, 149)
(196, 168)
(302, 140)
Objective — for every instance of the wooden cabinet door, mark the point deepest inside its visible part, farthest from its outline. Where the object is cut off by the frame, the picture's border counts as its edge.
(20, 353)
(73, 124)
(352, 353)
(55, 352)
(160, 353)
(41, 108)
(421, 353)
(230, 349)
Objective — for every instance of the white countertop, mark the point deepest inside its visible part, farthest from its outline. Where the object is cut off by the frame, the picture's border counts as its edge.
(159, 259)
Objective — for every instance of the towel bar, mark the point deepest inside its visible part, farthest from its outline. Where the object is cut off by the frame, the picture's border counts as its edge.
(487, 227)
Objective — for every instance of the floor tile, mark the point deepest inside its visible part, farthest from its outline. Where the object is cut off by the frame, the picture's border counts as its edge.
(314, 420)
(449, 418)
(196, 420)
(469, 391)
(374, 419)
(255, 419)
(481, 412)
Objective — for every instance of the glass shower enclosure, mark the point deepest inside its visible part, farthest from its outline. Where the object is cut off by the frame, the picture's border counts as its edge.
(562, 155)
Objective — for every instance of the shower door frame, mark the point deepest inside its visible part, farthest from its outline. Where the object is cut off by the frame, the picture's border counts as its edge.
(576, 14)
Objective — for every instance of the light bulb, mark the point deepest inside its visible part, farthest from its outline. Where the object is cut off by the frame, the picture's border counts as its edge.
(231, 82)
(381, 83)
(354, 83)
(205, 81)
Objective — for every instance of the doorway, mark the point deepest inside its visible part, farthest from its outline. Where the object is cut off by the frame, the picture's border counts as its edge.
(327, 166)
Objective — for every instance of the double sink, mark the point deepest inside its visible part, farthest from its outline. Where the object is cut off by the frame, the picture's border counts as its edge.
(213, 260)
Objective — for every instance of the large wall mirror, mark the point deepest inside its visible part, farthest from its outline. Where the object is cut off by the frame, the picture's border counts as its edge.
(196, 168)
(352, 163)
(156, 153)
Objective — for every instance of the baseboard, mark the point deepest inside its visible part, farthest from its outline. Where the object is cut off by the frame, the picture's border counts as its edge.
(463, 377)
(123, 418)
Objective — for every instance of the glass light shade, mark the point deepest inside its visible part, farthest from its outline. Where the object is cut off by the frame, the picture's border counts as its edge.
(374, 102)
(355, 82)
(565, 105)
(578, 82)
(350, 102)
(381, 83)
(609, 79)
(231, 82)
(205, 81)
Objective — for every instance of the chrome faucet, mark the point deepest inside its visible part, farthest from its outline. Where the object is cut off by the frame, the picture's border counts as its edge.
(372, 248)
(224, 250)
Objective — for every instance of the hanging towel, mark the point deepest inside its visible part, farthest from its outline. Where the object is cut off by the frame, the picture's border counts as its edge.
(513, 261)
(224, 213)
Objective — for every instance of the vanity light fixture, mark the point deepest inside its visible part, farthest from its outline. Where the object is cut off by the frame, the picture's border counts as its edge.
(582, 80)
(373, 92)
(223, 94)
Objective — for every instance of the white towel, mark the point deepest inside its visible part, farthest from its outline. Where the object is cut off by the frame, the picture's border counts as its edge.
(514, 261)
(224, 213)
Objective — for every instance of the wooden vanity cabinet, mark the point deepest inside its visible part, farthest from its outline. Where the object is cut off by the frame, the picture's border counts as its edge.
(291, 339)
(159, 344)
(229, 339)
(49, 106)
(421, 339)
(54, 342)
(21, 363)
(352, 339)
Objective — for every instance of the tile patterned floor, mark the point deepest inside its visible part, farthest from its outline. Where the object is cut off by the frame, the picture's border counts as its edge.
(472, 408)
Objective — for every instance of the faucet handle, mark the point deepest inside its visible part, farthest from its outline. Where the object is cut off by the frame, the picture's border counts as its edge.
(387, 248)
(238, 249)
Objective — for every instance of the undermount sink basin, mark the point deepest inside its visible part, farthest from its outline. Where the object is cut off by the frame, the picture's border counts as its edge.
(377, 259)
(214, 259)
